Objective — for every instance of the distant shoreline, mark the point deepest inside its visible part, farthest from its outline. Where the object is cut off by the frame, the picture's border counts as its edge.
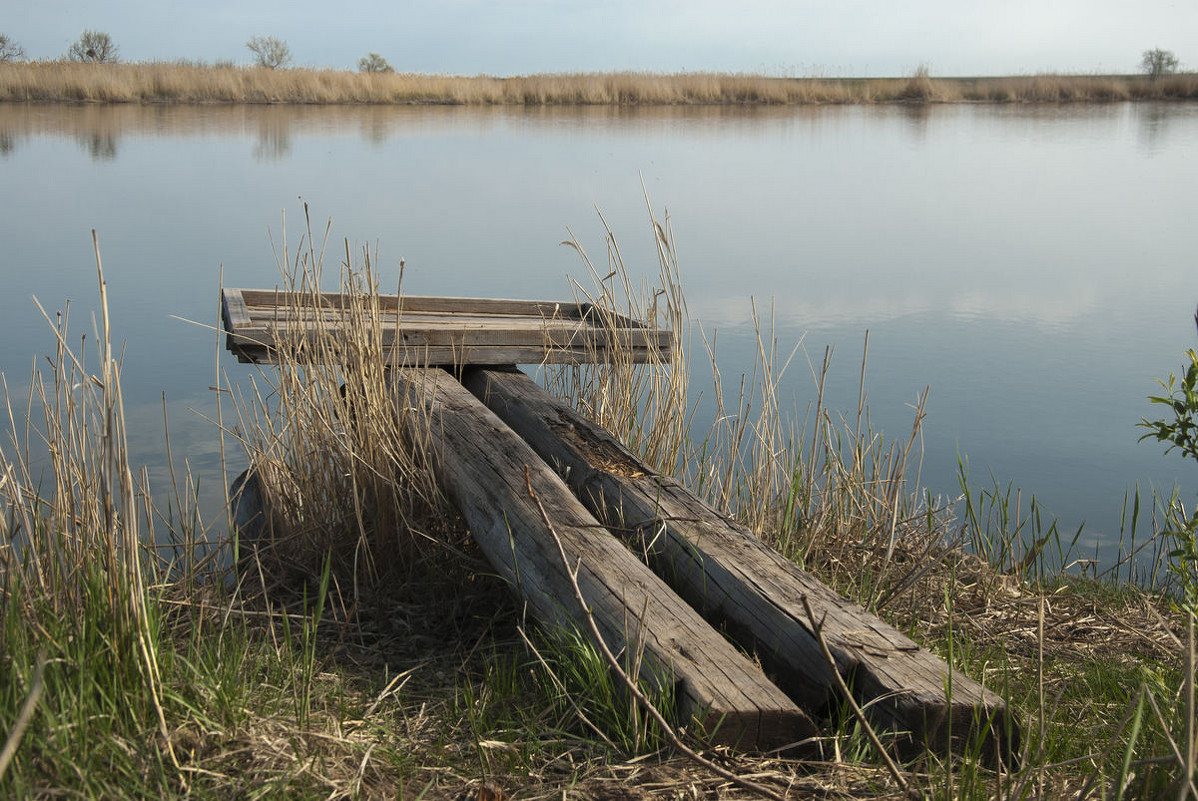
(186, 83)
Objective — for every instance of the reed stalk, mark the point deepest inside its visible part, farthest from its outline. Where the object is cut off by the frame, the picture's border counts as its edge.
(71, 550)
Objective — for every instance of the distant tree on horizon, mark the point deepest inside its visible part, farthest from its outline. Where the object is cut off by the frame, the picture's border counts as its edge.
(269, 51)
(373, 62)
(10, 50)
(1158, 62)
(94, 47)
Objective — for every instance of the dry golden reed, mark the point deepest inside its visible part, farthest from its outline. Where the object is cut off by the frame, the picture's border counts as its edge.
(152, 82)
(837, 496)
(644, 404)
(338, 461)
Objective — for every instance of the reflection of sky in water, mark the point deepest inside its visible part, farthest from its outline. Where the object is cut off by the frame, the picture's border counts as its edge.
(1007, 303)
(1030, 263)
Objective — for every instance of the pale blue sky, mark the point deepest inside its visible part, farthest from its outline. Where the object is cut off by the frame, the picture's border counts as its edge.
(508, 37)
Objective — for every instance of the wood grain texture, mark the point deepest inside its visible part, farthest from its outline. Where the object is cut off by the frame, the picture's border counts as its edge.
(756, 594)
(419, 331)
(236, 316)
(485, 469)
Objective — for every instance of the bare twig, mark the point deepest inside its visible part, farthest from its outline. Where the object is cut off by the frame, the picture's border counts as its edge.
(24, 716)
(817, 628)
(614, 664)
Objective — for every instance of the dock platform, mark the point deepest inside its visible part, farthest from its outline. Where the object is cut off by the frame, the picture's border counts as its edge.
(420, 331)
(660, 569)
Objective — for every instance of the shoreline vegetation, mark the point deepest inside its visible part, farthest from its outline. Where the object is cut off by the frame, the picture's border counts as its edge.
(159, 82)
(361, 648)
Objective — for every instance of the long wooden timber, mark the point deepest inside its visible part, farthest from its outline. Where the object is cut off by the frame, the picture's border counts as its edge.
(722, 569)
(419, 331)
(487, 471)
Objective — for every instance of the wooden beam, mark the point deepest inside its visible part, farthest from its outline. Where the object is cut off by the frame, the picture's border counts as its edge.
(486, 470)
(264, 325)
(756, 594)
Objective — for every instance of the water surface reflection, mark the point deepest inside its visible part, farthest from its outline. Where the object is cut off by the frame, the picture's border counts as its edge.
(1031, 263)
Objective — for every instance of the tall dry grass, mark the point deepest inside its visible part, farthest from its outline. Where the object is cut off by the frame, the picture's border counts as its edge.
(646, 405)
(59, 81)
(76, 526)
(335, 460)
(827, 491)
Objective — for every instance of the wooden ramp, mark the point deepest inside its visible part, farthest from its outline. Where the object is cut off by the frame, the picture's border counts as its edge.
(500, 486)
(495, 434)
(750, 590)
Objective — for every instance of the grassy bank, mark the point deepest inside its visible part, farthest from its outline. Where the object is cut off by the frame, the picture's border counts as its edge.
(182, 83)
(364, 650)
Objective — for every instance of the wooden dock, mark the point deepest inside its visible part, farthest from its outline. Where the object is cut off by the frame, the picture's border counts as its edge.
(419, 331)
(495, 435)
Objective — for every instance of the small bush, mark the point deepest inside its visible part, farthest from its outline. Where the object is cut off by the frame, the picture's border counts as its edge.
(269, 51)
(10, 50)
(919, 85)
(1179, 428)
(93, 47)
(373, 62)
(1157, 62)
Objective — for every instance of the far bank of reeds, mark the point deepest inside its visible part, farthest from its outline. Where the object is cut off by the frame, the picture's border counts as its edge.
(158, 82)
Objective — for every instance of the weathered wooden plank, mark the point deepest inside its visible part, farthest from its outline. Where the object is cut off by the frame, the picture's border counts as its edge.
(415, 303)
(234, 308)
(413, 357)
(236, 316)
(448, 307)
(424, 330)
(447, 347)
(722, 569)
(266, 318)
(412, 331)
(486, 470)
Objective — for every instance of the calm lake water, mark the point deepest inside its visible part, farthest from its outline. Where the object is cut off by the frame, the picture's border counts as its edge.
(1032, 265)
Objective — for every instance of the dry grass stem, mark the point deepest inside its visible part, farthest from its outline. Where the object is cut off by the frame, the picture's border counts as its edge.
(817, 629)
(17, 730)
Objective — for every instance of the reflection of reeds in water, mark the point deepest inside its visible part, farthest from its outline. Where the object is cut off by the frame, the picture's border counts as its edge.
(273, 128)
(274, 140)
(107, 83)
(99, 147)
